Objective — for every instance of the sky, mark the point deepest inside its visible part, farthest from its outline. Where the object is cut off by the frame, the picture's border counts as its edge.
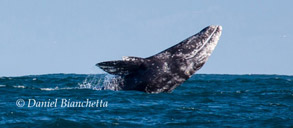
(71, 36)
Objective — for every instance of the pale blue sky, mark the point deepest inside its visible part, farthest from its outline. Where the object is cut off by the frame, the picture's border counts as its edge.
(71, 36)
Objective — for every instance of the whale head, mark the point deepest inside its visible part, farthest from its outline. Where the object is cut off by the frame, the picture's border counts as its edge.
(199, 47)
(191, 54)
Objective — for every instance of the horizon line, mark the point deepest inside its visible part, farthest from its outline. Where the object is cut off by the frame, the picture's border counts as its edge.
(111, 74)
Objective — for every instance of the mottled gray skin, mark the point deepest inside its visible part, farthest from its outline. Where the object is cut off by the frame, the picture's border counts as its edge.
(168, 69)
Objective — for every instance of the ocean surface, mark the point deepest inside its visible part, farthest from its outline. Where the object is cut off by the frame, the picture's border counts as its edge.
(74, 100)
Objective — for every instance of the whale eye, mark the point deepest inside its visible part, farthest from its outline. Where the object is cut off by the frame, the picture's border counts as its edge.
(197, 66)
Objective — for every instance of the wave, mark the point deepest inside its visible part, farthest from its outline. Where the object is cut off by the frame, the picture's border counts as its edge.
(19, 86)
(57, 88)
(93, 82)
(55, 82)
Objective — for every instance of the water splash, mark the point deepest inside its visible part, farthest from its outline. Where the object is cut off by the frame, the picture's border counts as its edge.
(91, 81)
(106, 82)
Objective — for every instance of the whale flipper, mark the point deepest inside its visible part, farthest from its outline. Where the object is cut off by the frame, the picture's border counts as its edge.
(123, 67)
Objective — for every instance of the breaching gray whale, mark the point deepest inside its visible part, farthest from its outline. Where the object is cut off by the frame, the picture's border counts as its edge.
(168, 69)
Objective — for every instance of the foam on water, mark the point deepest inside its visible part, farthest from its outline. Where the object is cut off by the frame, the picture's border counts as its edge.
(49, 89)
(57, 88)
(19, 86)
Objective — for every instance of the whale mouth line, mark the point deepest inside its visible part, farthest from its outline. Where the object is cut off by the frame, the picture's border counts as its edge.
(205, 43)
(209, 38)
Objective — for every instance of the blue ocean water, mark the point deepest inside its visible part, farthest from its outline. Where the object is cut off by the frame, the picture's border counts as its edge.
(73, 100)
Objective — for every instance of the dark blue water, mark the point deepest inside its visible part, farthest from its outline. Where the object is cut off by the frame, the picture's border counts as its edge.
(202, 101)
